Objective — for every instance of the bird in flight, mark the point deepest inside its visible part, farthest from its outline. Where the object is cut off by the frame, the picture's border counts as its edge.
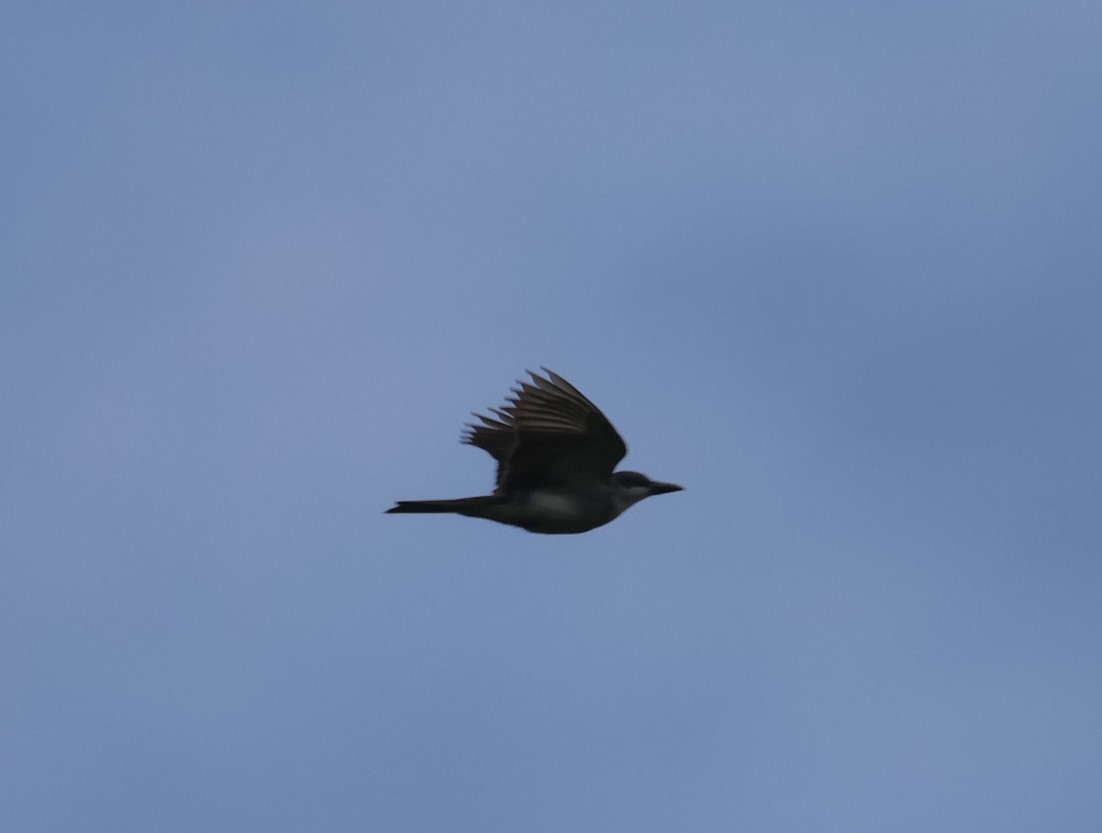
(555, 454)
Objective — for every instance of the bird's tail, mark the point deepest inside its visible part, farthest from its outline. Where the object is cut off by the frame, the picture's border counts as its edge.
(462, 506)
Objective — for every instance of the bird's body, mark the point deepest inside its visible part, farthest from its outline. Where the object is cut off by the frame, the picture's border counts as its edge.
(550, 509)
(556, 453)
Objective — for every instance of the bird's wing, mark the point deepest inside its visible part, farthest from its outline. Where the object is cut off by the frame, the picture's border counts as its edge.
(496, 436)
(548, 434)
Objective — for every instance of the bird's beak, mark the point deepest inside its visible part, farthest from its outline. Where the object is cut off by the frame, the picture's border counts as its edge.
(664, 488)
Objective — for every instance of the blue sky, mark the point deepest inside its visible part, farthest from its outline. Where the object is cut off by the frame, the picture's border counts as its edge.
(835, 267)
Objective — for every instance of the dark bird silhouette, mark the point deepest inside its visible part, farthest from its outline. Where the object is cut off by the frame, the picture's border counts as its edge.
(555, 454)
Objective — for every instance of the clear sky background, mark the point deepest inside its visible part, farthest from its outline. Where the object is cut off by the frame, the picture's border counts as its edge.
(835, 267)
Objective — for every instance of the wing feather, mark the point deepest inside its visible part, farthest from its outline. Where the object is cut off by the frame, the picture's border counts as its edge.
(547, 433)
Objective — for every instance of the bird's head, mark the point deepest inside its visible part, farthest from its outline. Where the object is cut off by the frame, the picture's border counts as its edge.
(631, 487)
